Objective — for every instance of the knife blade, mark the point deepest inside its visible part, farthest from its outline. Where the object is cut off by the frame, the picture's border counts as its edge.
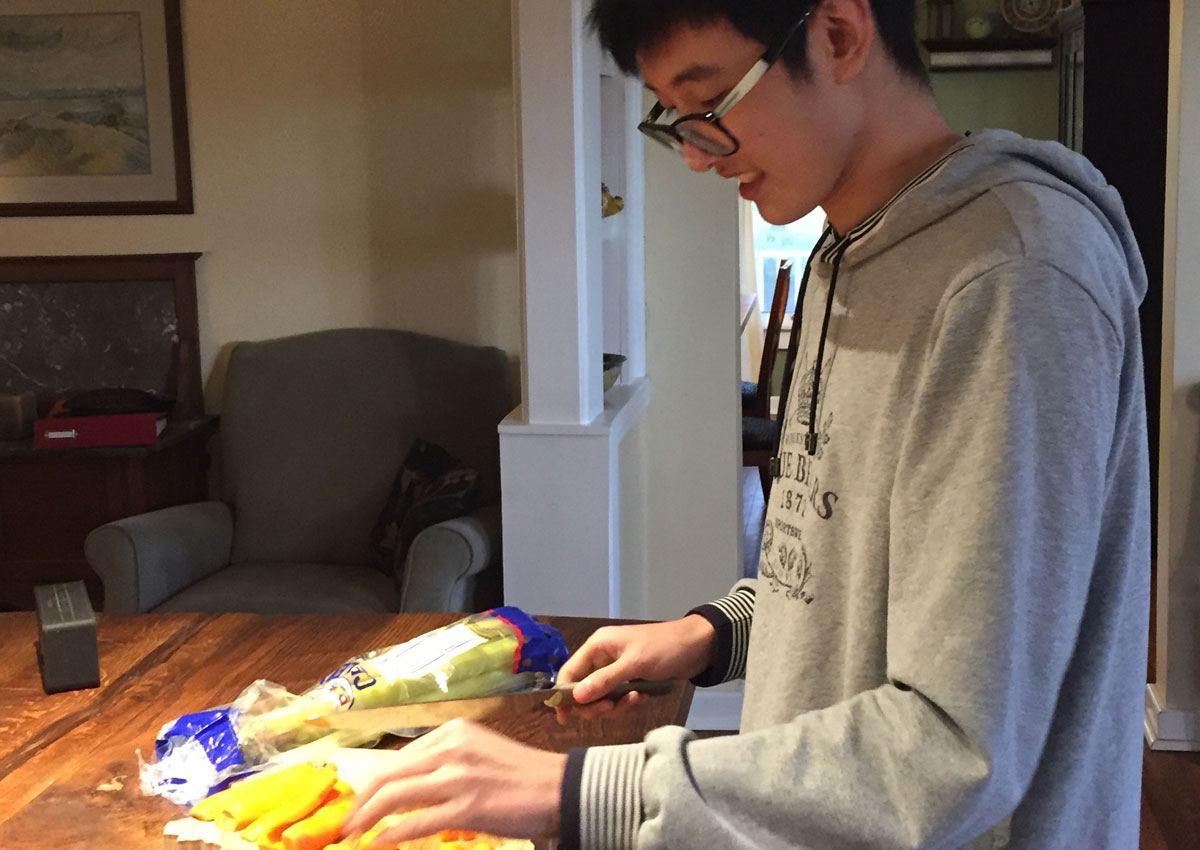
(436, 712)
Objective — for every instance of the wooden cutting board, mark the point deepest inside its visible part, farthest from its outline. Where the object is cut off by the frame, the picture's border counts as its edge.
(355, 767)
(192, 834)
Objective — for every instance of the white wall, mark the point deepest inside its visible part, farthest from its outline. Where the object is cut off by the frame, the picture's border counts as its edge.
(353, 164)
(692, 432)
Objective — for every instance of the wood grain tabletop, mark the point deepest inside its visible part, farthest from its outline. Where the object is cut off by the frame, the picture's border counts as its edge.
(68, 761)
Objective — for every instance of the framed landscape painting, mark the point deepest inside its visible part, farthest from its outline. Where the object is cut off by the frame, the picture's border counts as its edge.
(93, 114)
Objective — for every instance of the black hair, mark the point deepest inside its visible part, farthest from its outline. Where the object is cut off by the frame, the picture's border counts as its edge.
(627, 27)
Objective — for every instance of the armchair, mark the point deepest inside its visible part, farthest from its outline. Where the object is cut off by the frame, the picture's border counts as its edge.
(313, 430)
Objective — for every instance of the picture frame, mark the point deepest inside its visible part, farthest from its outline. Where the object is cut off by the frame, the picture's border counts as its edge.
(81, 322)
(93, 108)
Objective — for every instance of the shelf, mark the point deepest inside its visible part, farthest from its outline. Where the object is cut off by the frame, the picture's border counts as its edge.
(993, 54)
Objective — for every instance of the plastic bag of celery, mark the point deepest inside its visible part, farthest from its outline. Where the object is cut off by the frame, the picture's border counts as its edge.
(497, 651)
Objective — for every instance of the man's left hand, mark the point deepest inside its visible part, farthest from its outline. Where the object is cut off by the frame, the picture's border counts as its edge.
(463, 776)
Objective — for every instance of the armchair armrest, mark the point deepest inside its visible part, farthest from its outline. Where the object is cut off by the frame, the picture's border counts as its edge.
(444, 559)
(147, 558)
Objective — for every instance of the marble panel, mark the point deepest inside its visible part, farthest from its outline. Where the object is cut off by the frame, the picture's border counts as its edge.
(61, 336)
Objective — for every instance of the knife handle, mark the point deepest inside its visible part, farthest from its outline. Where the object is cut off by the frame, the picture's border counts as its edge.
(564, 695)
(649, 687)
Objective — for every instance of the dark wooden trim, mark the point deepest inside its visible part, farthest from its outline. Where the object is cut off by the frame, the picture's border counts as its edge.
(177, 83)
(179, 268)
(986, 45)
(182, 203)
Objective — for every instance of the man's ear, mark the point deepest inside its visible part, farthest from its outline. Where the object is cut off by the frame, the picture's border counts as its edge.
(845, 32)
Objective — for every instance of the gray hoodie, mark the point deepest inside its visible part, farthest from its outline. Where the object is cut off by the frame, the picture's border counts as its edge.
(946, 644)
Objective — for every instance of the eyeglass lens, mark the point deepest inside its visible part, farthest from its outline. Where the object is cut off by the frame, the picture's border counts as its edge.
(706, 136)
(660, 135)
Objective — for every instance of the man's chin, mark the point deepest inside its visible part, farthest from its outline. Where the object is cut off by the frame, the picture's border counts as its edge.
(773, 214)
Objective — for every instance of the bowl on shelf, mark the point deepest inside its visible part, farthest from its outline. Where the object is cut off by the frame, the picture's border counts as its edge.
(612, 369)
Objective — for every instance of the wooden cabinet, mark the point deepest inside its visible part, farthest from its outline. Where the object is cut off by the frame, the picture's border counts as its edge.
(88, 323)
(51, 498)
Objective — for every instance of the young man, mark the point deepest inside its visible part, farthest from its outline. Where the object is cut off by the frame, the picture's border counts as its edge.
(946, 644)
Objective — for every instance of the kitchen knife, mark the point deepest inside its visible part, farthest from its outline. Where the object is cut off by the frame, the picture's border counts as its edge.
(423, 714)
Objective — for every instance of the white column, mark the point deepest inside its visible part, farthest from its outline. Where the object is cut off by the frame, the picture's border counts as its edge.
(558, 96)
(559, 453)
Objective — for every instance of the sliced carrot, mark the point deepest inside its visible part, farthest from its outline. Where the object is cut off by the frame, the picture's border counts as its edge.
(369, 839)
(457, 835)
(305, 798)
(340, 791)
(246, 799)
(319, 829)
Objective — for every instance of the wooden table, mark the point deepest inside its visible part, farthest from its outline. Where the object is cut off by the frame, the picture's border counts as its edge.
(68, 768)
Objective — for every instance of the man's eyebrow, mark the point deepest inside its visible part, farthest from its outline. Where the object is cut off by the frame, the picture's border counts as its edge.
(691, 74)
(695, 73)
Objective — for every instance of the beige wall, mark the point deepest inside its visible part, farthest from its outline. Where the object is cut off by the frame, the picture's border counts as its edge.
(354, 164)
(1023, 101)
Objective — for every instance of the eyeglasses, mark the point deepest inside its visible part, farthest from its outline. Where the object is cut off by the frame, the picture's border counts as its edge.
(704, 130)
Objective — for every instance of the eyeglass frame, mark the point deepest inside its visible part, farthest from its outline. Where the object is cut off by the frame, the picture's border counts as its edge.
(758, 70)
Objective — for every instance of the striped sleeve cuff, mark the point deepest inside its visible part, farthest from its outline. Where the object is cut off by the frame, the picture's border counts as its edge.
(731, 616)
(602, 798)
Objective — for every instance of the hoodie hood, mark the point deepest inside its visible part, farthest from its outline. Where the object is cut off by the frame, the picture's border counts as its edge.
(979, 163)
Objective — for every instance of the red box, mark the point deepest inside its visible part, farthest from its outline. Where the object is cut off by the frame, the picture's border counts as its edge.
(115, 429)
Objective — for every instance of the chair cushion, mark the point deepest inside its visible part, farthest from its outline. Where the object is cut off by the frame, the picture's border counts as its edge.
(749, 394)
(759, 434)
(279, 588)
(432, 486)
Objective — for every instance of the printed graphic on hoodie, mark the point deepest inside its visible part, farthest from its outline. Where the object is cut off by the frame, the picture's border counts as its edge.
(798, 492)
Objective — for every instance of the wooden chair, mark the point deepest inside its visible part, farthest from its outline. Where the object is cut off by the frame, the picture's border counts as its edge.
(759, 430)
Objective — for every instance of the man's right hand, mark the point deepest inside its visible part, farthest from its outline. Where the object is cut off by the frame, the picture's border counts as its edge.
(676, 649)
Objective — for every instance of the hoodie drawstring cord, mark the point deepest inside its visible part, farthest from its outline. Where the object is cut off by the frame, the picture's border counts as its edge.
(789, 362)
(810, 439)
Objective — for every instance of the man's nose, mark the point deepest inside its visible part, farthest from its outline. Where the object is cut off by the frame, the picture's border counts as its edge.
(696, 159)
